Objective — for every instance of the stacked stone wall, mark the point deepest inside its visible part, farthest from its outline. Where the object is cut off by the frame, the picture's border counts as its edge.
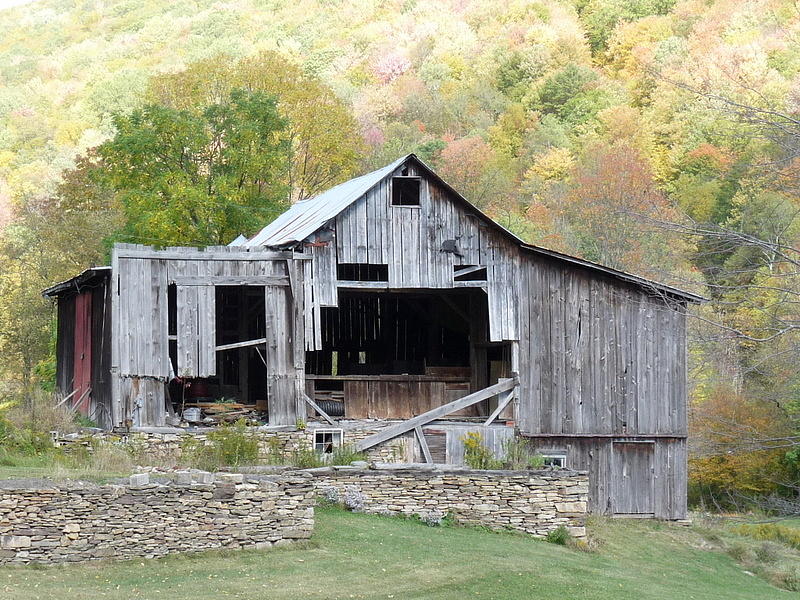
(165, 447)
(534, 502)
(55, 522)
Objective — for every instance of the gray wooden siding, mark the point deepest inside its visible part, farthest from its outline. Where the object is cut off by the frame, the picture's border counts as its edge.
(140, 361)
(598, 357)
(664, 492)
(408, 239)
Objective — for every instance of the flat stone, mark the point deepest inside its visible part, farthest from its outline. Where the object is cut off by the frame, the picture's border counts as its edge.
(139, 479)
(15, 541)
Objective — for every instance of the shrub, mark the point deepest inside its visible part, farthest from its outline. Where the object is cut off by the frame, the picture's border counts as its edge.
(275, 451)
(790, 580)
(196, 454)
(559, 536)
(354, 499)
(108, 458)
(234, 445)
(738, 552)
(330, 495)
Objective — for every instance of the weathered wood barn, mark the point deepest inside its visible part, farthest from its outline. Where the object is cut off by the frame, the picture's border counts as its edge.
(391, 297)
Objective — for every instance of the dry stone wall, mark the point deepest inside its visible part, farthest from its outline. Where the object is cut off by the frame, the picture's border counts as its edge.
(76, 521)
(164, 446)
(534, 502)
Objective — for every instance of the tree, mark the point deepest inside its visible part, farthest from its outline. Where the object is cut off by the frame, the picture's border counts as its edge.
(198, 177)
(324, 138)
(611, 191)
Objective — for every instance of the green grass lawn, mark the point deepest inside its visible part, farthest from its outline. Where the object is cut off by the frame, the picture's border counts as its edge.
(364, 556)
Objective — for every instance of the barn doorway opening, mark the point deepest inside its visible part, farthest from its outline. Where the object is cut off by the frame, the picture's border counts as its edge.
(239, 387)
(397, 354)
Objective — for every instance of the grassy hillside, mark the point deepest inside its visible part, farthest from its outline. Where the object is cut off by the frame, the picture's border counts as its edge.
(360, 556)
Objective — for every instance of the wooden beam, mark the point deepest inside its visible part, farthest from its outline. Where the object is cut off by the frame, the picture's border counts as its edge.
(500, 406)
(440, 411)
(190, 254)
(245, 280)
(423, 443)
(321, 412)
(370, 285)
(468, 270)
(257, 342)
(470, 284)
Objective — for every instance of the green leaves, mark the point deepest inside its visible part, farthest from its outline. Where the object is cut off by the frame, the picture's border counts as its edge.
(198, 177)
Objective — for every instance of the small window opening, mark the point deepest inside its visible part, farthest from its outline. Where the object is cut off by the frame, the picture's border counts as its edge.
(469, 273)
(405, 191)
(327, 440)
(362, 272)
(556, 461)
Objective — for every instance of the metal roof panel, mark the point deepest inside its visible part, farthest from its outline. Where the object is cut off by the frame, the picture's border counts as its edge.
(304, 218)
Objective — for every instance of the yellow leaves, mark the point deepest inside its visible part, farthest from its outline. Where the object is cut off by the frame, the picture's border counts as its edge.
(631, 47)
(555, 164)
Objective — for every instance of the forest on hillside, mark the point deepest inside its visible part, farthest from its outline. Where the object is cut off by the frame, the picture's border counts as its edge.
(656, 136)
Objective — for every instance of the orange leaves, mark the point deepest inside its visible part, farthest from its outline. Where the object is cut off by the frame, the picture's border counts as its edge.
(733, 443)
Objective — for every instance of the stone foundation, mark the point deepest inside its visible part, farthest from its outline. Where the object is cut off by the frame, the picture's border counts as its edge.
(163, 446)
(534, 502)
(76, 521)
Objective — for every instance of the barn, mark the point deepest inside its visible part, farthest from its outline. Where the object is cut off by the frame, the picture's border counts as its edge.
(390, 298)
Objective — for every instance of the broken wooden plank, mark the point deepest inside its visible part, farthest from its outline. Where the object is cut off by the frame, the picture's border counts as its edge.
(423, 443)
(257, 342)
(440, 411)
(321, 412)
(500, 406)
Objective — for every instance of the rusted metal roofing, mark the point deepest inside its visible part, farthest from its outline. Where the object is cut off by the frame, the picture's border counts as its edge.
(306, 217)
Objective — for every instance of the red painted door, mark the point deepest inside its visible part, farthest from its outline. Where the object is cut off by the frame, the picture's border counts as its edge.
(82, 373)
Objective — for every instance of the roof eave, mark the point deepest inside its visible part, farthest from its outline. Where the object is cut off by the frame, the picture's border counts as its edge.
(73, 284)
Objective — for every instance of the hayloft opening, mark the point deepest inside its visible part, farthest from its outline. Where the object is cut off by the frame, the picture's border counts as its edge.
(406, 191)
(362, 272)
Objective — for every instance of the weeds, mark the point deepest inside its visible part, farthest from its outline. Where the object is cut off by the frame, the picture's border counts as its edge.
(476, 454)
(518, 454)
(771, 532)
(559, 536)
(344, 455)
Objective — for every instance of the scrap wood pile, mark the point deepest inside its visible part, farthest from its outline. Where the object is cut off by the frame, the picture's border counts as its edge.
(226, 412)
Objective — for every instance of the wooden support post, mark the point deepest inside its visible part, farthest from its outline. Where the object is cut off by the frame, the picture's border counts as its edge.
(500, 406)
(423, 443)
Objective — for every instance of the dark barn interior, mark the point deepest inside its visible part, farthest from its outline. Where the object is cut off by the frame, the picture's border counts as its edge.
(398, 354)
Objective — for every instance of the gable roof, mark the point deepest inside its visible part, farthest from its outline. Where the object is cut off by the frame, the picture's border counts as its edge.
(305, 218)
